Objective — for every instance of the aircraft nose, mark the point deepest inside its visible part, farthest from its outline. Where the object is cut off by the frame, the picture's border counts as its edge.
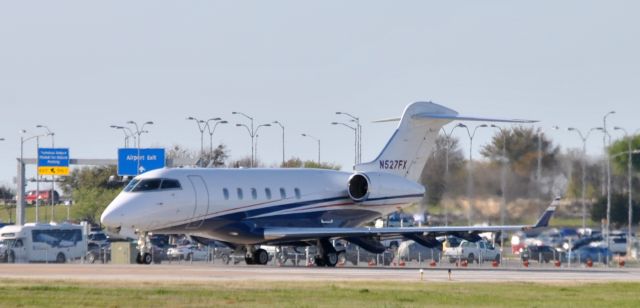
(111, 218)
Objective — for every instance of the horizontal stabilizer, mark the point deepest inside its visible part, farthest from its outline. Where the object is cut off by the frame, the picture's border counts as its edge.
(457, 117)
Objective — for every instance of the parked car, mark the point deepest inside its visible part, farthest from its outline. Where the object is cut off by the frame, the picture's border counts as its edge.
(44, 196)
(97, 239)
(412, 251)
(585, 253)
(188, 252)
(479, 251)
(101, 254)
(541, 253)
(223, 252)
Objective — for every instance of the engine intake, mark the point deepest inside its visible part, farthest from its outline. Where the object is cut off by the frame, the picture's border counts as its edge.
(378, 186)
(358, 187)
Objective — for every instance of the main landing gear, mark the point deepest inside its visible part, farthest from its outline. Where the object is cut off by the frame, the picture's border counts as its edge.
(256, 256)
(144, 246)
(327, 254)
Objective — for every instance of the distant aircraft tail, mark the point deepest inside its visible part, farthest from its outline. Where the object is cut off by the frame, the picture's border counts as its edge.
(414, 140)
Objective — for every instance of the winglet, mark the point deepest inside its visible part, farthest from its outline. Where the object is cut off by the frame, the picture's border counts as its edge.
(543, 221)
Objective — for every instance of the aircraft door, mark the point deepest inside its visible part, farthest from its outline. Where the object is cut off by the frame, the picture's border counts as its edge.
(201, 204)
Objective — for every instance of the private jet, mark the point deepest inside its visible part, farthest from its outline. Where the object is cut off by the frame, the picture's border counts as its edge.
(246, 208)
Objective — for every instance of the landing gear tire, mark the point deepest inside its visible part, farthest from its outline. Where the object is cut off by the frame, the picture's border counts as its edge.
(146, 258)
(248, 260)
(139, 258)
(261, 257)
(331, 259)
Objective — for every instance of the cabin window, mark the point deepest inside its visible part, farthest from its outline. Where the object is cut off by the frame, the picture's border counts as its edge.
(254, 193)
(129, 187)
(170, 184)
(267, 192)
(147, 185)
(283, 193)
(240, 195)
(225, 193)
(297, 192)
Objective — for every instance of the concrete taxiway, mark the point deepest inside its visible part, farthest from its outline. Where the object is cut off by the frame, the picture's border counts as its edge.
(206, 272)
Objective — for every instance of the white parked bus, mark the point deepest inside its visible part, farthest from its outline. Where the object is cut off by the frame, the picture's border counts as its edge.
(43, 242)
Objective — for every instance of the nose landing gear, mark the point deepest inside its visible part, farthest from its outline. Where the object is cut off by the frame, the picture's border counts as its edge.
(144, 248)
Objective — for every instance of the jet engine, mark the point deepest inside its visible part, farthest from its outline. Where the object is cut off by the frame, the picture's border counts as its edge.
(375, 185)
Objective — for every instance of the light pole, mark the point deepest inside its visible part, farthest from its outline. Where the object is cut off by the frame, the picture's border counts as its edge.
(470, 183)
(584, 169)
(212, 130)
(608, 166)
(201, 128)
(139, 131)
(629, 180)
(503, 177)
(318, 140)
(358, 135)
(281, 126)
(355, 144)
(53, 177)
(446, 166)
(256, 134)
(251, 133)
(124, 131)
(21, 188)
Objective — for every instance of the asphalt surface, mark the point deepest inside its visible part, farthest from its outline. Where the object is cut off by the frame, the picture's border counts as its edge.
(207, 272)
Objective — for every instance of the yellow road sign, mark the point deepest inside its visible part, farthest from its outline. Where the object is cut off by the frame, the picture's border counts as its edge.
(53, 170)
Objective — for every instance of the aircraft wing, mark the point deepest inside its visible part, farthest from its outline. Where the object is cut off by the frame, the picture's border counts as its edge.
(301, 234)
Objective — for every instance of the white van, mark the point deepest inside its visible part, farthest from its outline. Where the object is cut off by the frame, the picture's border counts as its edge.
(43, 242)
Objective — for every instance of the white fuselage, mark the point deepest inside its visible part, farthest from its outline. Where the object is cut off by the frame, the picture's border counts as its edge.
(235, 205)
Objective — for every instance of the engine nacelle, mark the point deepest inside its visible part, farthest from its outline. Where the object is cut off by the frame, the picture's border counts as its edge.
(375, 185)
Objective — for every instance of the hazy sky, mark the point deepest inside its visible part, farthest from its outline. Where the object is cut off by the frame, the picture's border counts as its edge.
(80, 66)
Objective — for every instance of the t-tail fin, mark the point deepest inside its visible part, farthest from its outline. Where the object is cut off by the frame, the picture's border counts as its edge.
(414, 140)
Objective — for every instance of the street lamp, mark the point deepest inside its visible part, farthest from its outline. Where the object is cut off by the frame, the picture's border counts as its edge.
(470, 188)
(446, 166)
(256, 135)
(212, 130)
(355, 144)
(503, 177)
(21, 182)
(608, 167)
(358, 135)
(126, 134)
(53, 177)
(584, 169)
(139, 131)
(251, 133)
(318, 140)
(281, 126)
(629, 179)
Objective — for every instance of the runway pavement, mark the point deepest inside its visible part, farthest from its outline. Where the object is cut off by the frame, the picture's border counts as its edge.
(208, 272)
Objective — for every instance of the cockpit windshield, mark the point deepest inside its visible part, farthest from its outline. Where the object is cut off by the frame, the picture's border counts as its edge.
(152, 185)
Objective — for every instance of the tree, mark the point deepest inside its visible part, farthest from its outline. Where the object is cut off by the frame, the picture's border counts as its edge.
(619, 155)
(619, 210)
(91, 191)
(521, 151)
(433, 175)
(7, 195)
(216, 159)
